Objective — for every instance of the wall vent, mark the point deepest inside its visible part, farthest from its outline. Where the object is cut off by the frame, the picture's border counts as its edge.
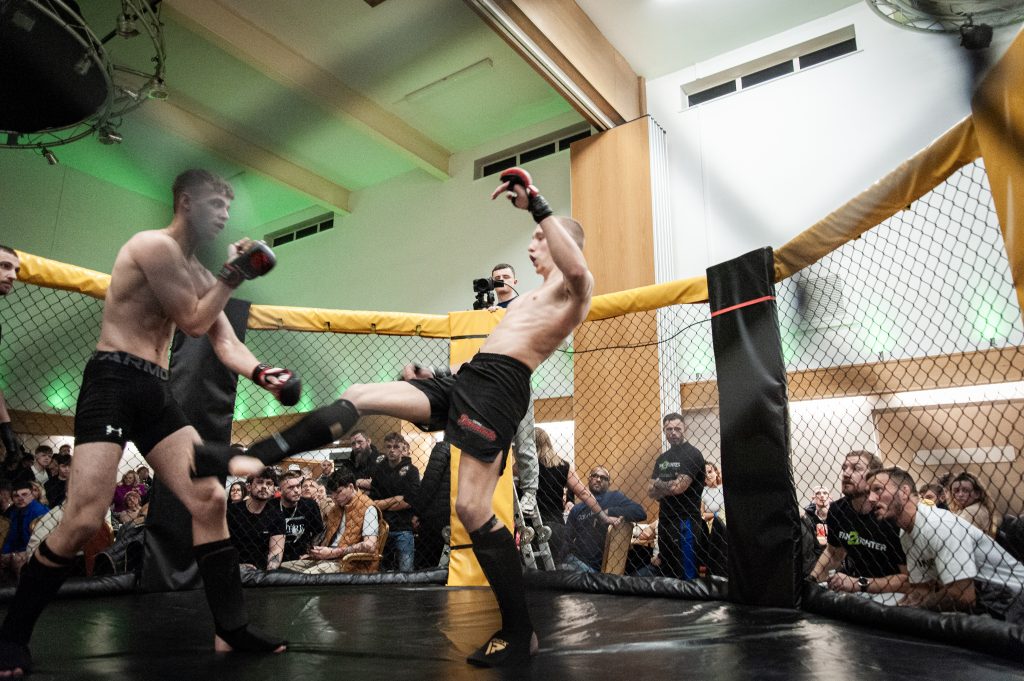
(530, 150)
(301, 230)
(769, 67)
(822, 303)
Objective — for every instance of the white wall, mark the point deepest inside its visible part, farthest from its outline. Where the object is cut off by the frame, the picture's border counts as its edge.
(415, 244)
(757, 167)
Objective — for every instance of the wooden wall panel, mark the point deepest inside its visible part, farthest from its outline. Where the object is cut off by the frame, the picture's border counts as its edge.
(998, 365)
(617, 399)
(903, 432)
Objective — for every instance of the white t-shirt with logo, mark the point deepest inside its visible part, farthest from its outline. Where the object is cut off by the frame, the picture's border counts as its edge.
(944, 547)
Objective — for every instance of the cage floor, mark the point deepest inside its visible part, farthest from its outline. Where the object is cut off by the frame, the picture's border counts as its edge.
(424, 632)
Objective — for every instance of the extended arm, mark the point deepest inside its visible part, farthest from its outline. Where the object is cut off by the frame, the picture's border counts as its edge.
(831, 558)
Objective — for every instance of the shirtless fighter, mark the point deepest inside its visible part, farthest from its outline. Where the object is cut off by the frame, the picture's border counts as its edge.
(478, 407)
(157, 284)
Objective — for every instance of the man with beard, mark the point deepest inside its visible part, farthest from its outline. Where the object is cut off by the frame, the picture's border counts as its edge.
(586, 532)
(365, 458)
(678, 483)
(864, 551)
(302, 520)
(257, 525)
(951, 564)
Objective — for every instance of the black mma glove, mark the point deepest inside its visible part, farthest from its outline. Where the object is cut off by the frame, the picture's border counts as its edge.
(289, 392)
(255, 261)
(537, 204)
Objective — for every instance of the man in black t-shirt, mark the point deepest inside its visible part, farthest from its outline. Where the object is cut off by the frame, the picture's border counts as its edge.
(303, 523)
(394, 480)
(864, 552)
(364, 459)
(677, 482)
(257, 526)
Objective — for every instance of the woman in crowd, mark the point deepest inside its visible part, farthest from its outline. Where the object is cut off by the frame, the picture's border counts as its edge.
(133, 510)
(236, 492)
(39, 493)
(712, 508)
(129, 483)
(558, 487)
(969, 500)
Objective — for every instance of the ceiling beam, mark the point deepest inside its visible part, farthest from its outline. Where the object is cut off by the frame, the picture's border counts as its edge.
(262, 51)
(565, 47)
(192, 122)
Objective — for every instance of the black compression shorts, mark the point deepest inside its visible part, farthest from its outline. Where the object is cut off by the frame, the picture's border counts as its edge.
(480, 407)
(124, 397)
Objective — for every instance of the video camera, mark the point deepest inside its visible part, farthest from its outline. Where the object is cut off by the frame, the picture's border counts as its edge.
(484, 290)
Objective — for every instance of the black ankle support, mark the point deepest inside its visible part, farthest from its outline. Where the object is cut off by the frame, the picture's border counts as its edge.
(316, 429)
(38, 585)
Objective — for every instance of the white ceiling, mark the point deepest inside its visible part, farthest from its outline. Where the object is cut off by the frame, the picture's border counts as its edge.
(658, 37)
(284, 78)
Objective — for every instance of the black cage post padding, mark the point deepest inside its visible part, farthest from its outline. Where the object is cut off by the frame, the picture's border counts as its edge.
(760, 498)
(205, 389)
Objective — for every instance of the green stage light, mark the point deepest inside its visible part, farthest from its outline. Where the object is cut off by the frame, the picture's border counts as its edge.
(59, 394)
(989, 317)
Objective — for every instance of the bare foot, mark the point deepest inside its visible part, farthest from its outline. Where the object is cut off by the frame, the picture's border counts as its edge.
(221, 646)
(534, 644)
(242, 466)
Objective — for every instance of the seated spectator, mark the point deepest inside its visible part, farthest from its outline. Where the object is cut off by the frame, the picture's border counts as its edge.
(817, 513)
(257, 526)
(39, 493)
(864, 551)
(23, 510)
(353, 525)
(951, 563)
(932, 493)
(303, 523)
(56, 488)
(432, 505)
(237, 491)
(37, 466)
(394, 479)
(326, 468)
(129, 483)
(968, 499)
(642, 549)
(713, 541)
(133, 513)
(586, 531)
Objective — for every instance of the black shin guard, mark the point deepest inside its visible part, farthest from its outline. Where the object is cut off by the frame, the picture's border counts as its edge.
(316, 429)
(38, 585)
(218, 566)
(496, 553)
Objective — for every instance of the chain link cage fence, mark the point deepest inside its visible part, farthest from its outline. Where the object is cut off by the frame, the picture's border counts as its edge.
(903, 347)
(903, 353)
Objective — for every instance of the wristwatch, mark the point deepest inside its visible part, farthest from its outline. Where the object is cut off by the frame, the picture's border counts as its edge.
(863, 582)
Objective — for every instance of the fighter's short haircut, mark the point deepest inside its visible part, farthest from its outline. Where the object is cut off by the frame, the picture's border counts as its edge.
(197, 178)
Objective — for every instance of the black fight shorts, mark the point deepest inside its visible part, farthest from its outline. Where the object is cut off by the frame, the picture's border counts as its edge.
(124, 397)
(480, 407)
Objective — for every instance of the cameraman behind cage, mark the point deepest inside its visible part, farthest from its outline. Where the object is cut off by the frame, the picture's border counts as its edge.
(506, 274)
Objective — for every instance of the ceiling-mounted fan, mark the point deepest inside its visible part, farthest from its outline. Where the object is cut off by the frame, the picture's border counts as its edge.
(972, 19)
